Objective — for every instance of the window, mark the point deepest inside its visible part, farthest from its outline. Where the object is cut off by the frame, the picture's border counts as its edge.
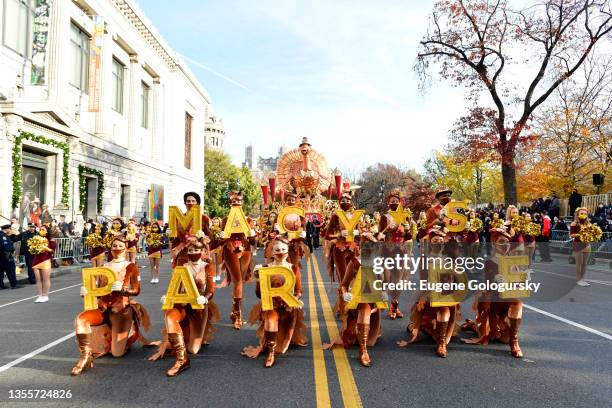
(18, 17)
(188, 120)
(124, 204)
(144, 101)
(118, 74)
(79, 48)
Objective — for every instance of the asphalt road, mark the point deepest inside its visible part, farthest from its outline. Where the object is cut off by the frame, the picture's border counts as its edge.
(567, 345)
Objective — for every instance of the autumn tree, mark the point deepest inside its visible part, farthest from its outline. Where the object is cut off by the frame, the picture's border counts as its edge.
(221, 177)
(488, 46)
(378, 180)
(478, 181)
(576, 129)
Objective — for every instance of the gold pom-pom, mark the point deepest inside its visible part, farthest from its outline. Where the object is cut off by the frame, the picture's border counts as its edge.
(519, 224)
(534, 229)
(108, 240)
(37, 244)
(422, 224)
(154, 240)
(497, 223)
(94, 241)
(590, 233)
(474, 225)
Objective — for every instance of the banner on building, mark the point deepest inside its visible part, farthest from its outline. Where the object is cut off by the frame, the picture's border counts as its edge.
(156, 202)
(40, 38)
(95, 63)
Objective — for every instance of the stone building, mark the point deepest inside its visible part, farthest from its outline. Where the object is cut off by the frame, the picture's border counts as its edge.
(215, 133)
(98, 116)
(261, 167)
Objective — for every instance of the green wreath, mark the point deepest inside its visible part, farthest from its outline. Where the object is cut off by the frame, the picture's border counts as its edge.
(83, 186)
(18, 160)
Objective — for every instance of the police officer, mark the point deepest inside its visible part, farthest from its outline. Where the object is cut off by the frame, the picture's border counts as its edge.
(7, 261)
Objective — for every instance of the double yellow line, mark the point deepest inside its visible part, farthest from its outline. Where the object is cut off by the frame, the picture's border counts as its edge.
(348, 387)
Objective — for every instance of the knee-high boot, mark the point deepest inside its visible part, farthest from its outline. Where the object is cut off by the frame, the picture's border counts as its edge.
(441, 328)
(515, 348)
(182, 359)
(362, 337)
(86, 360)
(236, 315)
(269, 346)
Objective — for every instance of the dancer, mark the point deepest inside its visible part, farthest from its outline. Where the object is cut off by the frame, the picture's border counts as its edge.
(115, 325)
(395, 237)
(297, 248)
(43, 247)
(96, 246)
(155, 242)
(237, 261)
(580, 246)
(132, 237)
(282, 326)
(496, 318)
(362, 324)
(187, 329)
(435, 321)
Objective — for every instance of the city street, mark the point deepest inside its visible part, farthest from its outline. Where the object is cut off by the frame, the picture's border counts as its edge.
(567, 346)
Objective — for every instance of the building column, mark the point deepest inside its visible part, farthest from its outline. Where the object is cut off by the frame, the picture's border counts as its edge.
(157, 134)
(105, 58)
(133, 103)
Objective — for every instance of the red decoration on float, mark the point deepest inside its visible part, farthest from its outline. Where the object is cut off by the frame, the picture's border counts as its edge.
(338, 179)
(272, 182)
(265, 190)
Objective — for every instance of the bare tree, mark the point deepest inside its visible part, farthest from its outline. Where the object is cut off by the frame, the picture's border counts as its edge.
(474, 44)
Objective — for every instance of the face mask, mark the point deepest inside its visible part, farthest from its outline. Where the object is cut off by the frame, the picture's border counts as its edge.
(582, 217)
(435, 248)
(503, 249)
(445, 200)
(117, 253)
(116, 227)
(43, 233)
(194, 257)
(393, 206)
(345, 206)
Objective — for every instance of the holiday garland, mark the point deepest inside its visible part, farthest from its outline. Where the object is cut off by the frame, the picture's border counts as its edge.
(83, 186)
(18, 159)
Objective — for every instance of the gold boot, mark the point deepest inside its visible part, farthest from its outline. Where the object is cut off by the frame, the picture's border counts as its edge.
(269, 346)
(86, 360)
(515, 348)
(393, 310)
(182, 359)
(362, 337)
(398, 312)
(236, 315)
(441, 328)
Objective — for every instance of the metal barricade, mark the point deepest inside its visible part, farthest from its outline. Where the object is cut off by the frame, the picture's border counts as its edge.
(71, 248)
(560, 240)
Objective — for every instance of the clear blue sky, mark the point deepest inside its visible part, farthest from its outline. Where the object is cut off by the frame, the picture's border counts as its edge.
(339, 72)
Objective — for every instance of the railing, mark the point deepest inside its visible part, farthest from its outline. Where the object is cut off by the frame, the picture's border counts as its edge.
(75, 249)
(561, 241)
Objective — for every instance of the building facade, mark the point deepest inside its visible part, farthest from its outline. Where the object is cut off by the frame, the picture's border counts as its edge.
(215, 133)
(261, 167)
(98, 116)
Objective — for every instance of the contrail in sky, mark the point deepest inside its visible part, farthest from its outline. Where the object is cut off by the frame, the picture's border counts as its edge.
(220, 75)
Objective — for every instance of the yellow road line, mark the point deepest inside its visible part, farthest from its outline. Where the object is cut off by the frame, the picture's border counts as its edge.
(348, 387)
(318, 359)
